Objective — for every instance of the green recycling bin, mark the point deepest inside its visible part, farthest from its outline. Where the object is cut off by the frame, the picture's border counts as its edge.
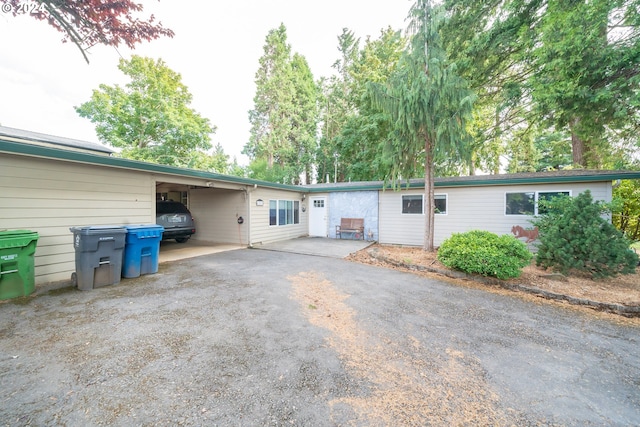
(17, 272)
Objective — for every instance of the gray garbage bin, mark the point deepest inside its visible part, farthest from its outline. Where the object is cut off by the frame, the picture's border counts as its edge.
(98, 255)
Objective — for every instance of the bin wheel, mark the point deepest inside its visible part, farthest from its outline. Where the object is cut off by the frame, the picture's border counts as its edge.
(74, 279)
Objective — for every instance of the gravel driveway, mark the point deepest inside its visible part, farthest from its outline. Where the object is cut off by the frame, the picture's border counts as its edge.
(262, 338)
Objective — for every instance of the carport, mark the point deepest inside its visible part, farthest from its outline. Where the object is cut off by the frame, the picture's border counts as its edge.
(215, 206)
(53, 183)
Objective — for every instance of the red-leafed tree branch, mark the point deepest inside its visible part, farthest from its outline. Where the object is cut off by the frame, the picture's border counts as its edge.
(89, 22)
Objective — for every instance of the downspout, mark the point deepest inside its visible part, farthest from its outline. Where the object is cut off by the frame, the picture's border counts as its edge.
(248, 192)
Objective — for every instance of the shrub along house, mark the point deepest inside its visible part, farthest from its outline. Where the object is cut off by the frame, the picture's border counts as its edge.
(49, 184)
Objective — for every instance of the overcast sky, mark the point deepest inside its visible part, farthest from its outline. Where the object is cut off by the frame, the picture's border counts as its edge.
(216, 48)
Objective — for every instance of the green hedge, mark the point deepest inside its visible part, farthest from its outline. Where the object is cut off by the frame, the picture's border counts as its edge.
(485, 253)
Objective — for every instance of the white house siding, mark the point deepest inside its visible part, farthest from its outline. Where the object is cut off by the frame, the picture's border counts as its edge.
(468, 208)
(216, 212)
(261, 231)
(49, 196)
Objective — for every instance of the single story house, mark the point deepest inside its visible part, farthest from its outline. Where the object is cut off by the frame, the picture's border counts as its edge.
(49, 184)
(495, 203)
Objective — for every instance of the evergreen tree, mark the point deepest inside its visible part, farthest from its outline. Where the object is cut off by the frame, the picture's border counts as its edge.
(368, 128)
(270, 118)
(565, 67)
(284, 118)
(304, 120)
(336, 106)
(575, 236)
(429, 105)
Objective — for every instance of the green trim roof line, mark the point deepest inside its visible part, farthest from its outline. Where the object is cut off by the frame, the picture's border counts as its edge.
(27, 148)
(118, 162)
(572, 175)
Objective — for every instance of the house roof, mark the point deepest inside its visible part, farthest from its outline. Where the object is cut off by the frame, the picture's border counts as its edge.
(571, 175)
(14, 144)
(16, 141)
(51, 140)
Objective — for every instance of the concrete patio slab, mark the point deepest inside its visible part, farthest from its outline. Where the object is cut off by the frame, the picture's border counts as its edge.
(318, 246)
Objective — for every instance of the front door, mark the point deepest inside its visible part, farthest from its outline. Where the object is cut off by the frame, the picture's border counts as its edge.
(318, 216)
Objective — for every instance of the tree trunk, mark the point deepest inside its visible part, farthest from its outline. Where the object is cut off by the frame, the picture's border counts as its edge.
(429, 214)
(577, 144)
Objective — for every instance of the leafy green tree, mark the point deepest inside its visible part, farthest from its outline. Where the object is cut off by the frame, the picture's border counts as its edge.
(429, 105)
(284, 117)
(574, 236)
(626, 214)
(86, 23)
(149, 118)
(260, 169)
(214, 161)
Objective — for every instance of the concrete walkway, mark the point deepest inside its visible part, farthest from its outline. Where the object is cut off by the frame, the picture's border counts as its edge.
(170, 250)
(318, 246)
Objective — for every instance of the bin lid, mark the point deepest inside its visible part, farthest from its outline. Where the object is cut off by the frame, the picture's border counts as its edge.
(141, 227)
(99, 229)
(16, 238)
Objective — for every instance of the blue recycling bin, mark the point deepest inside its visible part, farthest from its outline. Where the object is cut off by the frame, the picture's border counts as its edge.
(141, 250)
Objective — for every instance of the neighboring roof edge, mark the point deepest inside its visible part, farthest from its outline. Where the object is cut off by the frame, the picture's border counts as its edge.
(13, 147)
(571, 175)
(41, 138)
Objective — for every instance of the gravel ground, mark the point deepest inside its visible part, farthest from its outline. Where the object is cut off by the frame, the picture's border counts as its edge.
(255, 338)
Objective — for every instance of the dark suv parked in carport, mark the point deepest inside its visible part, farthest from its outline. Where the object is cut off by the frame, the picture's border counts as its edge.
(176, 219)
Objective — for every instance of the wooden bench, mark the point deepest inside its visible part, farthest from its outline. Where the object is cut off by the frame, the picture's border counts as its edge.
(353, 226)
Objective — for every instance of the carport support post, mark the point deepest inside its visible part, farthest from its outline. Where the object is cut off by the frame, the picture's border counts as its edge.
(248, 199)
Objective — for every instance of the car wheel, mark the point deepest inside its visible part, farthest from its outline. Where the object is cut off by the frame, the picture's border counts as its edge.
(181, 239)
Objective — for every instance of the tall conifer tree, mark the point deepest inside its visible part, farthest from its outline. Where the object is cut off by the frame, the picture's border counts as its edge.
(429, 104)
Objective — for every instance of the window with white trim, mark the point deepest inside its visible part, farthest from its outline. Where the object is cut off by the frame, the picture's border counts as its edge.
(526, 202)
(284, 212)
(413, 204)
